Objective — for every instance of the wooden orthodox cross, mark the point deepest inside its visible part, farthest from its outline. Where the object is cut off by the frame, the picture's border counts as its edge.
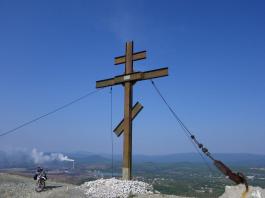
(128, 79)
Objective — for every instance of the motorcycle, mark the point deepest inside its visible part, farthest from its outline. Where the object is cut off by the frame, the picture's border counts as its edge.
(40, 184)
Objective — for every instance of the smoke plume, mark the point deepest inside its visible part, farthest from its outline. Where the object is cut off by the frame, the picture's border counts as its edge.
(40, 157)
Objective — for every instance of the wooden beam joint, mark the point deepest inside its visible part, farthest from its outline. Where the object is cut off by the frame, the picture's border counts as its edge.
(136, 56)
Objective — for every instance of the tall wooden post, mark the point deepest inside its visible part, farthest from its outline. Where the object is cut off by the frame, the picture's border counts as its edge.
(128, 90)
(128, 79)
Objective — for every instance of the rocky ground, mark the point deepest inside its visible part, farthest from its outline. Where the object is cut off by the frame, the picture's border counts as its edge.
(13, 186)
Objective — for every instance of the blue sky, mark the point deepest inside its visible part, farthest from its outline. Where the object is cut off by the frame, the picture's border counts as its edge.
(52, 52)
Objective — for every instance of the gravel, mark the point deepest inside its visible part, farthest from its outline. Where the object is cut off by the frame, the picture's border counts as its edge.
(113, 188)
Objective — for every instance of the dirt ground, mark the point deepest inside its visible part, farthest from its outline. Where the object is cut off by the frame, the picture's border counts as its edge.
(13, 186)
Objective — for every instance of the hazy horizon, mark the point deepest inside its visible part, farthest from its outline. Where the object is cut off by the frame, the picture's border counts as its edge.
(24, 150)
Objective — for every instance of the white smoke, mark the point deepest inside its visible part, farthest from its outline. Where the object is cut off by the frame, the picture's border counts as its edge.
(40, 158)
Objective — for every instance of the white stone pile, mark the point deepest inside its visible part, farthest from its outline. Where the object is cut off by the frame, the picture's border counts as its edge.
(112, 188)
(237, 192)
(115, 188)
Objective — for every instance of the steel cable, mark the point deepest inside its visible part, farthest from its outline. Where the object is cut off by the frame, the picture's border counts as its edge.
(49, 113)
(183, 126)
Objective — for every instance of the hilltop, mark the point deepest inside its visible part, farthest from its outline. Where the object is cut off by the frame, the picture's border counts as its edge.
(17, 187)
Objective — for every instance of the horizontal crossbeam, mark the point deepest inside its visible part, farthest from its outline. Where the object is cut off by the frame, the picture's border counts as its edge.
(155, 73)
(105, 83)
(136, 56)
(135, 111)
(136, 76)
(129, 77)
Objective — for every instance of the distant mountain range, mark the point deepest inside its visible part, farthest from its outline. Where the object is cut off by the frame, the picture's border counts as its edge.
(229, 158)
(233, 159)
(24, 159)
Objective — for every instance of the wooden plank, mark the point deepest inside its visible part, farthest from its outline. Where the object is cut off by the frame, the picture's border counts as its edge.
(132, 77)
(155, 73)
(128, 77)
(119, 79)
(127, 136)
(105, 83)
(135, 111)
(129, 57)
(136, 56)
(119, 60)
(139, 55)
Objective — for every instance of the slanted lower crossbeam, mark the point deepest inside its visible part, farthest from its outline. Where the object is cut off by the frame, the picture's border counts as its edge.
(135, 111)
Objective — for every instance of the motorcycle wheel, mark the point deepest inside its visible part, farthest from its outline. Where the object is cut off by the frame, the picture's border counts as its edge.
(40, 185)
